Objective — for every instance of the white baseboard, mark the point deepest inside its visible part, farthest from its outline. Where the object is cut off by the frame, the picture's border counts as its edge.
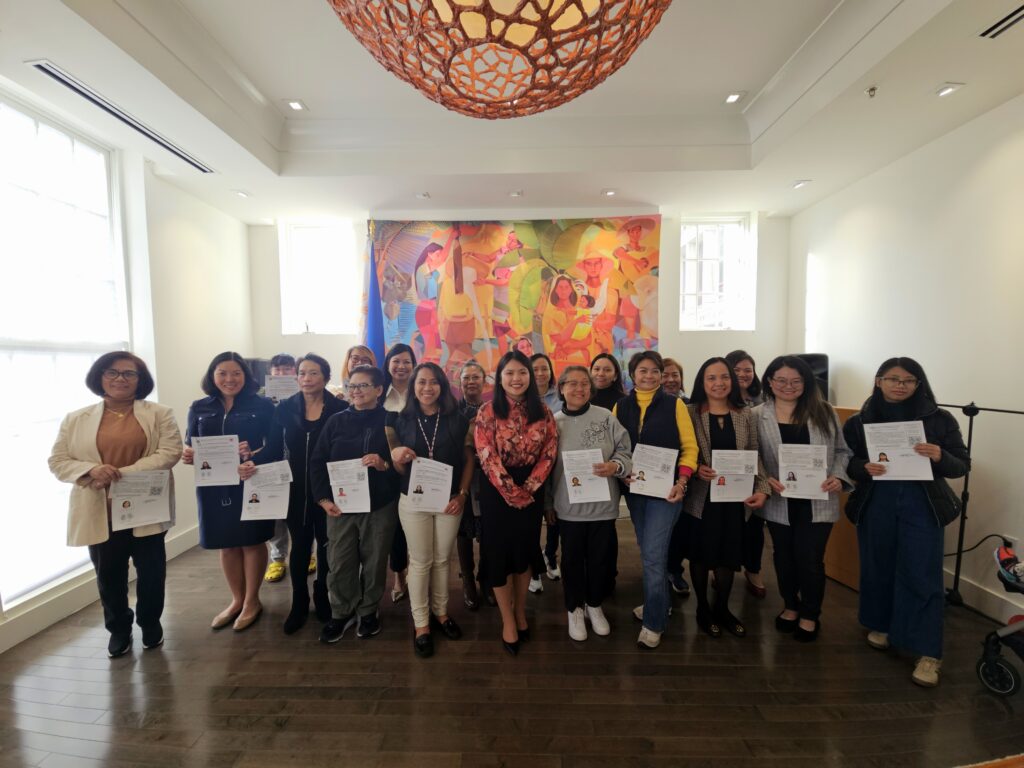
(986, 600)
(70, 596)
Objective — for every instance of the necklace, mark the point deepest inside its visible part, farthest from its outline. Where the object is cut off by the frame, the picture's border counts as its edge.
(430, 441)
(118, 414)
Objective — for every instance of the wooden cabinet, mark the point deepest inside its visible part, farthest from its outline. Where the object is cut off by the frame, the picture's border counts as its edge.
(842, 561)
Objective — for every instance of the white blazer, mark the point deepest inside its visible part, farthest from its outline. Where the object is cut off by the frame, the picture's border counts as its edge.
(75, 453)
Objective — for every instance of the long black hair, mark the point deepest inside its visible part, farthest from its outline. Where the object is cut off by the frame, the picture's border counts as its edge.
(699, 397)
(923, 398)
(534, 405)
(736, 357)
(616, 385)
(445, 401)
(810, 406)
(392, 353)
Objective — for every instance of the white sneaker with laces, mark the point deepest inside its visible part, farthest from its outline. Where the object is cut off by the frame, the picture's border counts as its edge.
(536, 585)
(926, 673)
(648, 639)
(577, 625)
(598, 621)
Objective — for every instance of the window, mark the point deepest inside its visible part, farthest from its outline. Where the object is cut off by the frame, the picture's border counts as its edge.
(64, 307)
(718, 275)
(321, 278)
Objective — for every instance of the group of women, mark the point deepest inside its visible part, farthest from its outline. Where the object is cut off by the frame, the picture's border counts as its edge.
(507, 474)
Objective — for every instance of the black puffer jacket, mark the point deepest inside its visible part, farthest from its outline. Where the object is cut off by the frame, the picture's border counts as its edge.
(940, 428)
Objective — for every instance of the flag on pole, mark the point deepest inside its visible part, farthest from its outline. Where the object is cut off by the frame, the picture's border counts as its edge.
(373, 325)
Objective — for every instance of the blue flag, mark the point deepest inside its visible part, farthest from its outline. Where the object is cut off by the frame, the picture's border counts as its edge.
(374, 316)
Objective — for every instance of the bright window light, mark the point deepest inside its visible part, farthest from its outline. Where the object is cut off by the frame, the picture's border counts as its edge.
(64, 306)
(718, 275)
(321, 277)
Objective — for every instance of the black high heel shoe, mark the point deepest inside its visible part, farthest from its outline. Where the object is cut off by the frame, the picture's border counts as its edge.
(512, 648)
(785, 625)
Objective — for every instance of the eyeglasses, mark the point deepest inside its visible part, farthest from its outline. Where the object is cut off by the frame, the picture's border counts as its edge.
(358, 387)
(893, 381)
(356, 360)
(788, 383)
(112, 374)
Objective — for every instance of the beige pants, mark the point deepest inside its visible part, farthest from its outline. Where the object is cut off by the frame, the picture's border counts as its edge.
(431, 537)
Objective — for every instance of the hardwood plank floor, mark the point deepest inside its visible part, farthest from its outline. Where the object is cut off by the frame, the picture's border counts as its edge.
(259, 698)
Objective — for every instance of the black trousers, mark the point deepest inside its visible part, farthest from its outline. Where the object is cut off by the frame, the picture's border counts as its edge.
(303, 535)
(110, 559)
(753, 544)
(679, 545)
(588, 561)
(800, 563)
(549, 551)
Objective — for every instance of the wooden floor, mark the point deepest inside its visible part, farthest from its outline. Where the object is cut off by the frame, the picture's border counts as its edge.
(259, 698)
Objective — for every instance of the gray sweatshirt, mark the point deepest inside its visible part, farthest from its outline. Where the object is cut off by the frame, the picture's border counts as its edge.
(596, 428)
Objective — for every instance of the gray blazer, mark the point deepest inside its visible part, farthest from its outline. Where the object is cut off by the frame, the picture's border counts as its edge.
(837, 456)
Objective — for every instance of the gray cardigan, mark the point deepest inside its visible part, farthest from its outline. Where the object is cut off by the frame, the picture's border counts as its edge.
(597, 428)
(837, 456)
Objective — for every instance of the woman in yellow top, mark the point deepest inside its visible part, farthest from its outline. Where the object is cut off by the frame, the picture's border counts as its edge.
(658, 420)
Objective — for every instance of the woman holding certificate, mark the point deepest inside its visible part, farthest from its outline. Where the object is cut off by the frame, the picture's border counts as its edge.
(298, 421)
(517, 445)
(798, 432)
(97, 446)
(727, 434)
(354, 483)
(664, 458)
(432, 455)
(398, 365)
(593, 449)
(900, 521)
(232, 422)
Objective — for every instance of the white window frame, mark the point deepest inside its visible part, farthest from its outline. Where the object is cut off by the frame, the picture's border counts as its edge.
(715, 267)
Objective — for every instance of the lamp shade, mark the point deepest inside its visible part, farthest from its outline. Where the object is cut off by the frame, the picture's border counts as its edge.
(501, 58)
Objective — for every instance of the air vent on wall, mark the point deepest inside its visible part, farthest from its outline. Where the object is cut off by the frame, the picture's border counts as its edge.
(70, 82)
(1004, 24)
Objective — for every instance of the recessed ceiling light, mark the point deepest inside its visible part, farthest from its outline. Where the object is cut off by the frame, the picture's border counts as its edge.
(423, 195)
(516, 193)
(608, 192)
(240, 193)
(296, 105)
(735, 96)
(947, 88)
(799, 183)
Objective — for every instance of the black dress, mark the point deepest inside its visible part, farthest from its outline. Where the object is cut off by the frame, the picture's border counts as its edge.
(717, 537)
(800, 510)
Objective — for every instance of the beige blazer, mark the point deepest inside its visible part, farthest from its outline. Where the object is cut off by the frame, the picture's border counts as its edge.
(75, 453)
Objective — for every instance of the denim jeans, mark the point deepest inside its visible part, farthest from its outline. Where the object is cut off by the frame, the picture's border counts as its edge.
(653, 520)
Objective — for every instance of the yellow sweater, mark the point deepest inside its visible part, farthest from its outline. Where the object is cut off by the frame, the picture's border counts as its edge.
(687, 438)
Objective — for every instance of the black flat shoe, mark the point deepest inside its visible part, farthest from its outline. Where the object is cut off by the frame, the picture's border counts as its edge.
(512, 648)
(785, 625)
(423, 645)
(450, 629)
(321, 604)
(296, 619)
(802, 635)
(731, 624)
(708, 625)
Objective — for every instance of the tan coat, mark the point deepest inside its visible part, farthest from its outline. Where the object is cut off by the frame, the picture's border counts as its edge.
(75, 453)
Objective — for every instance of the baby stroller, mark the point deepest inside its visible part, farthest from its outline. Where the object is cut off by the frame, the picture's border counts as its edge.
(996, 673)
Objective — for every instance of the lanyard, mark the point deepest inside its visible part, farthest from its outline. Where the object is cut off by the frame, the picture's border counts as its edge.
(430, 441)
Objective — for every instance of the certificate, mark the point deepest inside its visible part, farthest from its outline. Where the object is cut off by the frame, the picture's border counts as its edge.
(216, 460)
(735, 478)
(802, 471)
(583, 485)
(892, 444)
(274, 473)
(264, 502)
(279, 388)
(350, 485)
(654, 470)
(140, 498)
(430, 485)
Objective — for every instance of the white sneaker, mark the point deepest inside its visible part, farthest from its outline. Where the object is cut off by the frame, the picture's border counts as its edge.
(577, 625)
(536, 585)
(554, 573)
(648, 639)
(878, 640)
(638, 612)
(926, 673)
(598, 622)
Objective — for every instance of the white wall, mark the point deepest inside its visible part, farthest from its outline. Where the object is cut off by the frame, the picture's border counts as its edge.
(925, 258)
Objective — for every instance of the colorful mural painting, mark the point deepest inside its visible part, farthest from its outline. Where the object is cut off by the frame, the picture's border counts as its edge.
(569, 288)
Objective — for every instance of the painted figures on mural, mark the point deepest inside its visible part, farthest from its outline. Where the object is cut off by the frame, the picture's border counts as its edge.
(569, 288)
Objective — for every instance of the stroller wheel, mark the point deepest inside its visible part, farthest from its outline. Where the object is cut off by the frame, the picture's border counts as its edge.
(998, 675)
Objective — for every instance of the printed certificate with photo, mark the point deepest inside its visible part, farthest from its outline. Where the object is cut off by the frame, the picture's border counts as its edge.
(140, 498)
(350, 485)
(583, 485)
(802, 471)
(654, 470)
(892, 444)
(430, 485)
(216, 460)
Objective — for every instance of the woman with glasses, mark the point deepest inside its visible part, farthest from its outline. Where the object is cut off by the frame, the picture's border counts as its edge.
(607, 376)
(298, 422)
(96, 446)
(794, 412)
(589, 539)
(398, 365)
(357, 542)
(232, 407)
(745, 369)
(472, 380)
(356, 356)
(517, 443)
(431, 427)
(654, 418)
(899, 522)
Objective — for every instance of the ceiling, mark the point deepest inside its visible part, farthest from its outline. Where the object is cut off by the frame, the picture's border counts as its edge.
(213, 76)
